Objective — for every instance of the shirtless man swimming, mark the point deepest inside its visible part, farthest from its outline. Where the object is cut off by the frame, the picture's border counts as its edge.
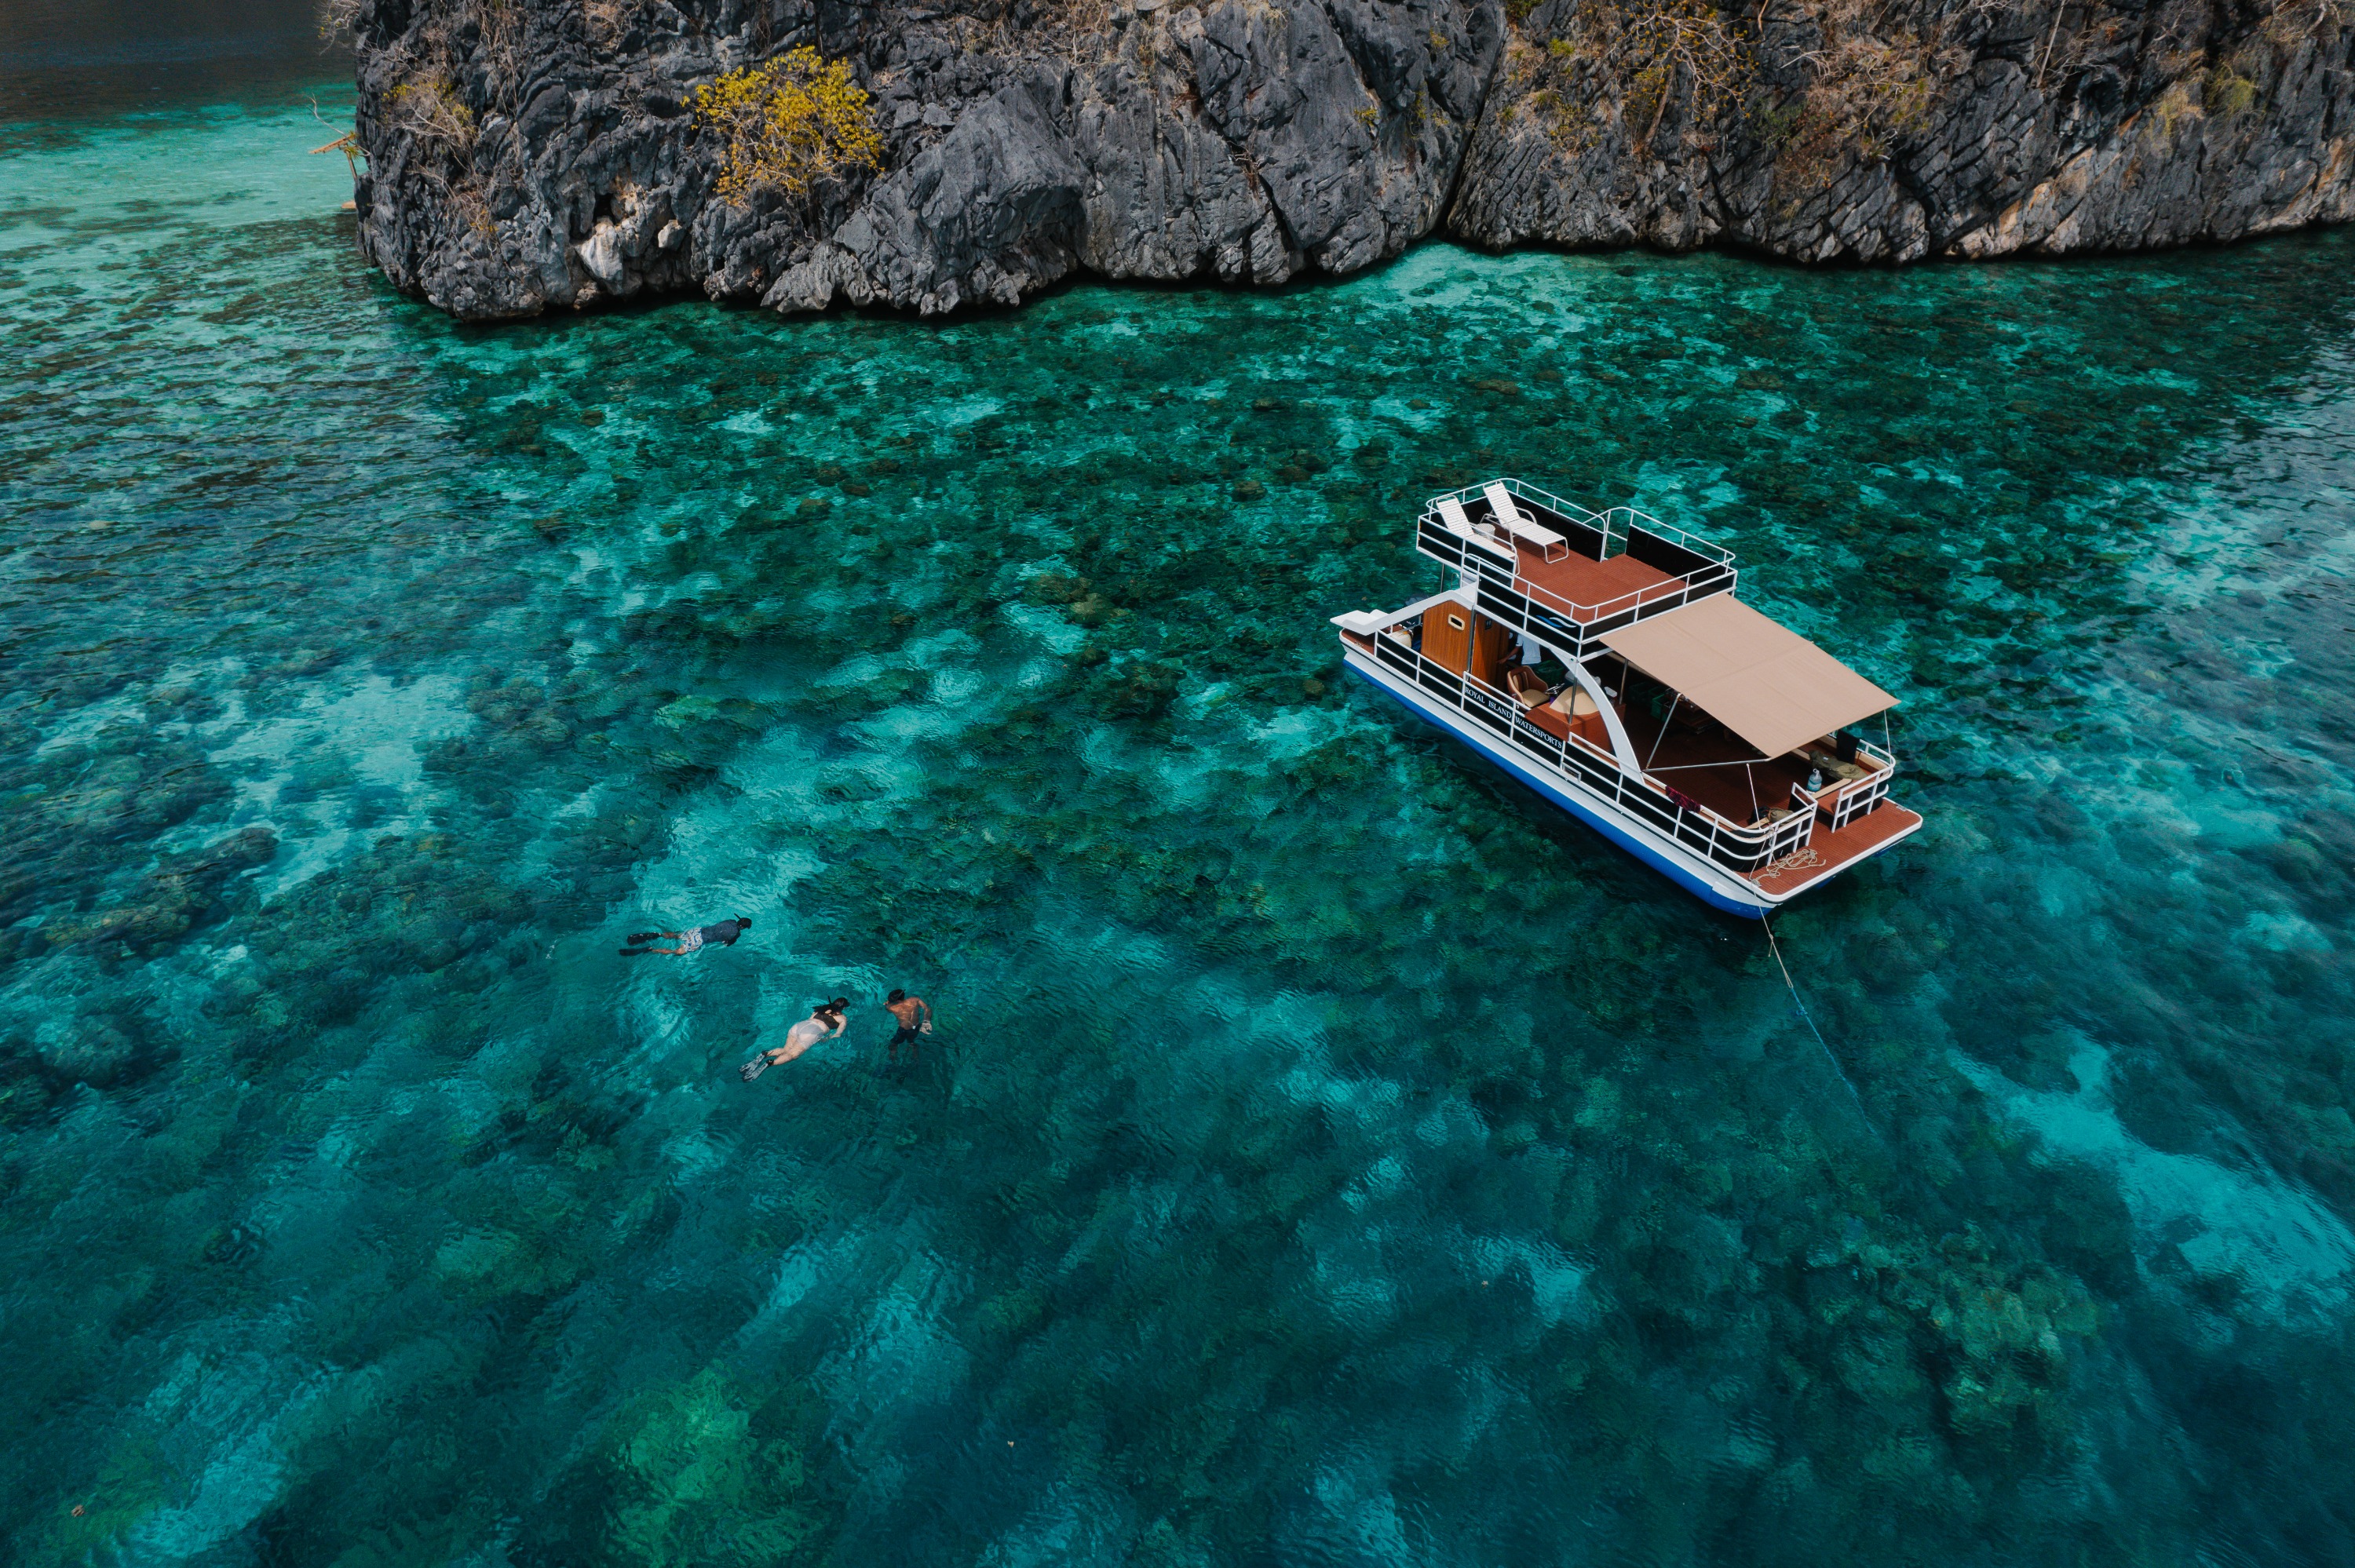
(722, 935)
(824, 1023)
(907, 1009)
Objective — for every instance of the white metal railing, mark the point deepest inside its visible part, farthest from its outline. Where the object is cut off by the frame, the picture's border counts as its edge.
(1735, 846)
(1613, 523)
(1611, 527)
(1790, 835)
(1618, 520)
(1844, 800)
(1678, 589)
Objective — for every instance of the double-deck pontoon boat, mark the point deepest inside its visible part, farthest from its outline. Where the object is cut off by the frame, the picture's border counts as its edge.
(1602, 659)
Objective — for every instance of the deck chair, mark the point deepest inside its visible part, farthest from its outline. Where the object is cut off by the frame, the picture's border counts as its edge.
(1451, 511)
(1550, 545)
(1500, 502)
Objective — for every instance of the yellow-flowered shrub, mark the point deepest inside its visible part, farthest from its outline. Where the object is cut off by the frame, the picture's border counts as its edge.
(790, 123)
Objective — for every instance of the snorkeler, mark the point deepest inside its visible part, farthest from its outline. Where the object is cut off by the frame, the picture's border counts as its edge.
(824, 1023)
(724, 934)
(907, 1009)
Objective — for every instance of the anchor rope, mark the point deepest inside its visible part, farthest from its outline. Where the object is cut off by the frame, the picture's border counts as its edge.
(1777, 948)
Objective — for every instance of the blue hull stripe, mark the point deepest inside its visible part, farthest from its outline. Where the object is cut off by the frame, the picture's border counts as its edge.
(1700, 888)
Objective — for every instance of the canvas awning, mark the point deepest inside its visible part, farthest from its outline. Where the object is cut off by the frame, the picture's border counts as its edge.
(1763, 682)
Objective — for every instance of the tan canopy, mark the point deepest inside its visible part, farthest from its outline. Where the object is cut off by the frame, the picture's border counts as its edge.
(1763, 682)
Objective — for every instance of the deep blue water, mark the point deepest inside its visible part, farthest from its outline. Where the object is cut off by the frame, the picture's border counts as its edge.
(1327, 1155)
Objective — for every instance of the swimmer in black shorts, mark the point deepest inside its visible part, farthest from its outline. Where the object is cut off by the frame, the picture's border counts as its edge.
(723, 934)
(907, 1009)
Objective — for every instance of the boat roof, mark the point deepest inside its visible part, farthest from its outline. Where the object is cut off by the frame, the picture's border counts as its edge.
(1759, 679)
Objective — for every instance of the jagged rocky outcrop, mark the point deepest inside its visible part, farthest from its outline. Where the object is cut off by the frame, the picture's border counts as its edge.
(531, 154)
(1979, 130)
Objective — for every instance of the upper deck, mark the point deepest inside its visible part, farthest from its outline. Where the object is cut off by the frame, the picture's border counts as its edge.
(1564, 575)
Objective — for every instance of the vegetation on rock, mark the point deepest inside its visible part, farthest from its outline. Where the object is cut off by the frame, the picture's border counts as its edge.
(432, 113)
(789, 122)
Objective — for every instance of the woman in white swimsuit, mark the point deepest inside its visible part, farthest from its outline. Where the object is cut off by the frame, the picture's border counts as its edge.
(823, 1023)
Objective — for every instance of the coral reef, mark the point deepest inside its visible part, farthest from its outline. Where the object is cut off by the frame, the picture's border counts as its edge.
(1325, 1154)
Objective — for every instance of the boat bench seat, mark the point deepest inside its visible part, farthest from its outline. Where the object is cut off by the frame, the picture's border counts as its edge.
(1548, 720)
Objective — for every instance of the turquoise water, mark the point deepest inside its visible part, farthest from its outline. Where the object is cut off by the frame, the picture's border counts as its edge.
(1327, 1155)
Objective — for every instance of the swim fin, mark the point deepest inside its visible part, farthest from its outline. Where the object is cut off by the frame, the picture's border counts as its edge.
(637, 937)
(753, 1068)
(635, 952)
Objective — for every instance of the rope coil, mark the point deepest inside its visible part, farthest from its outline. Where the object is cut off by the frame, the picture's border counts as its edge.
(1798, 860)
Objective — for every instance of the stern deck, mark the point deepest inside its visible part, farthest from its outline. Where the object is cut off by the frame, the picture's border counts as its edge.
(1835, 849)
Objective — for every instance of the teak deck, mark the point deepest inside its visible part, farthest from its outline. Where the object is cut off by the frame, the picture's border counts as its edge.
(1581, 580)
(1706, 764)
(1834, 850)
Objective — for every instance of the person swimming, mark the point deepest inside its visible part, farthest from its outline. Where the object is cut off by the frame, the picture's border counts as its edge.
(907, 1009)
(824, 1022)
(722, 935)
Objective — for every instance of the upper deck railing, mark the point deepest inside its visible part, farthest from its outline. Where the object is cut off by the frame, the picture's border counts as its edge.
(1696, 569)
(1613, 523)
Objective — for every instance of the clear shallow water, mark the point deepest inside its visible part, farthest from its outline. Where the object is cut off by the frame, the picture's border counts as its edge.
(1328, 1157)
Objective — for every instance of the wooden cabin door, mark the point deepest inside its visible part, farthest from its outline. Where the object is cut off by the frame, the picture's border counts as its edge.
(1489, 639)
(1447, 636)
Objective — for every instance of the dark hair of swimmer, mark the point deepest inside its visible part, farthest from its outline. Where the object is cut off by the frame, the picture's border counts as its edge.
(743, 922)
(897, 996)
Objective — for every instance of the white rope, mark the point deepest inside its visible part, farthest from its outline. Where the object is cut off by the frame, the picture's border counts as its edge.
(1777, 948)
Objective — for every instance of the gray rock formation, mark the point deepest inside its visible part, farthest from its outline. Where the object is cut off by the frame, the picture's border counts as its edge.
(527, 154)
(1988, 131)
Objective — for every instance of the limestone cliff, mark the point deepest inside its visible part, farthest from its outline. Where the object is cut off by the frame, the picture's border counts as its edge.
(526, 154)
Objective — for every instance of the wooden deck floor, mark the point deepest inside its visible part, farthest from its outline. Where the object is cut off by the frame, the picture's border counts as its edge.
(1832, 850)
(1583, 580)
(1680, 759)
